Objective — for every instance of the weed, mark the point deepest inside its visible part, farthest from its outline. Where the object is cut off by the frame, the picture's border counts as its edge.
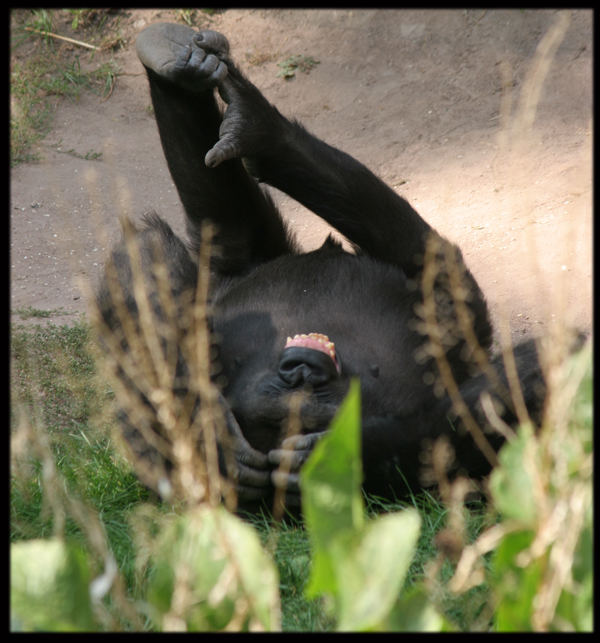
(29, 312)
(188, 16)
(83, 17)
(290, 65)
(259, 58)
(90, 155)
(42, 21)
(41, 78)
(196, 17)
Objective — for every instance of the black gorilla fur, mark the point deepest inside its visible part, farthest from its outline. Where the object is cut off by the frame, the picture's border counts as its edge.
(263, 290)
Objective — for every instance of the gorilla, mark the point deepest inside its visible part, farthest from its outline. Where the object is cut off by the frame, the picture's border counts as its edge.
(283, 322)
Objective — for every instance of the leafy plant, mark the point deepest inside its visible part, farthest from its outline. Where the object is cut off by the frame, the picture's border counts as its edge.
(361, 565)
(211, 573)
(541, 570)
(49, 583)
(79, 17)
(41, 20)
(290, 65)
(543, 565)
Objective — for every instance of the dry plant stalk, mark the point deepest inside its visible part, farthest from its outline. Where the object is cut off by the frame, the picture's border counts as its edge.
(142, 360)
(293, 427)
(439, 337)
(65, 38)
(195, 425)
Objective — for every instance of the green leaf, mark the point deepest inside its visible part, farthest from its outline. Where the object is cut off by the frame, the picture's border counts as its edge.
(217, 563)
(371, 575)
(575, 607)
(414, 612)
(583, 409)
(515, 586)
(512, 482)
(362, 566)
(332, 502)
(49, 587)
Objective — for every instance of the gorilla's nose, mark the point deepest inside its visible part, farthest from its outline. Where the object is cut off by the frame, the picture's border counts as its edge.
(299, 365)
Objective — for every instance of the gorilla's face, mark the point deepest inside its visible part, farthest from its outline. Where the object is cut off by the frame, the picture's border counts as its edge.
(310, 343)
(263, 368)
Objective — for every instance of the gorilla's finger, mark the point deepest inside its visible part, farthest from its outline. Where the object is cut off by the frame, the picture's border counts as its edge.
(302, 442)
(206, 64)
(223, 150)
(288, 481)
(229, 87)
(286, 458)
(252, 478)
(246, 456)
(219, 74)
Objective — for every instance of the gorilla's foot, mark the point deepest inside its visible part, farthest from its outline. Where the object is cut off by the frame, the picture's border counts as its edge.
(183, 56)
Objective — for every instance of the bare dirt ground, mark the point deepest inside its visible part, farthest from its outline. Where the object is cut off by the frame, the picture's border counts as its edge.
(420, 97)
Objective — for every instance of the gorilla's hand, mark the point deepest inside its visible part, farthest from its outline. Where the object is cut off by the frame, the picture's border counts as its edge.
(288, 459)
(251, 472)
(251, 126)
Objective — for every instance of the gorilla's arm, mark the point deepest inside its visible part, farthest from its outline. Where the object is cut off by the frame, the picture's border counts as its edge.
(330, 182)
(347, 194)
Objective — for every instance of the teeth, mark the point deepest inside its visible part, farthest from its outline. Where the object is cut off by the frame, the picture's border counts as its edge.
(324, 344)
(322, 339)
(319, 338)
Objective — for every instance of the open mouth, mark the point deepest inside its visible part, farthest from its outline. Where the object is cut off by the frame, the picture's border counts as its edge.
(317, 342)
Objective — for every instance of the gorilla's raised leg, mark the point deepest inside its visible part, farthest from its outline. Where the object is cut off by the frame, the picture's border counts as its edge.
(182, 71)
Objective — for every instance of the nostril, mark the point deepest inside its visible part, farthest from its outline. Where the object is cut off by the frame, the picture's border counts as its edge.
(294, 373)
(298, 366)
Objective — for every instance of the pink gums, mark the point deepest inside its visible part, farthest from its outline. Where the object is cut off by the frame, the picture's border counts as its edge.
(317, 342)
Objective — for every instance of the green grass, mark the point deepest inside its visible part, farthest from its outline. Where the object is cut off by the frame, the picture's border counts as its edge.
(56, 398)
(35, 86)
(289, 545)
(29, 312)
